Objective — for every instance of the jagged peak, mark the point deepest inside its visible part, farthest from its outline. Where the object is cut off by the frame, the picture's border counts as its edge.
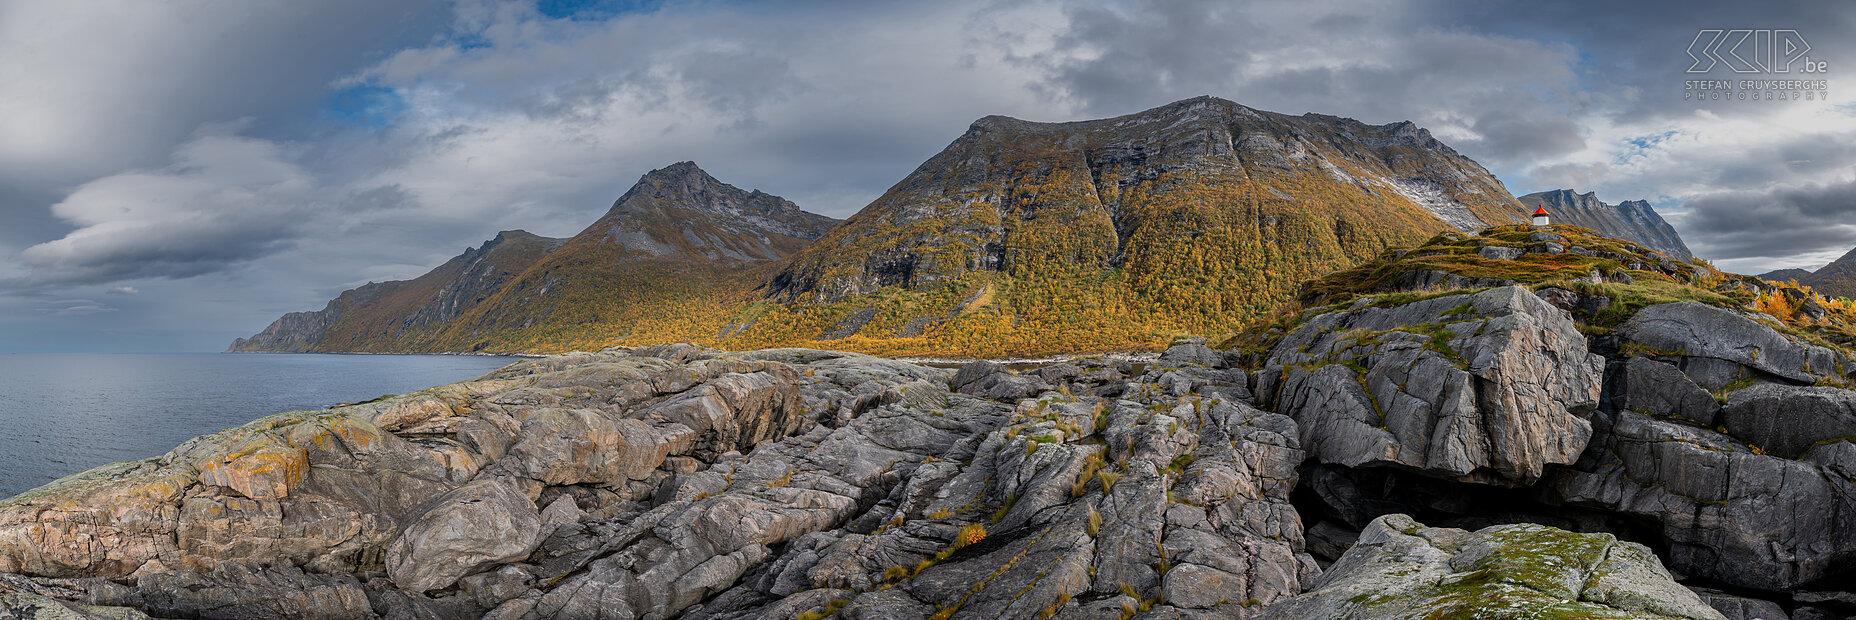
(1572, 195)
(1176, 108)
(678, 171)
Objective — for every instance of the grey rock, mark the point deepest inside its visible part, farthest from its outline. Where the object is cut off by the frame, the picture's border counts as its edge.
(478, 525)
(562, 511)
(1660, 389)
(974, 371)
(1496, 252)
(1741, 608)
(25, 606)
(1788, 421)
(493, 588)
(1813, 612)
(1695, 330)
(1490, 387)
(1330, 540)
(1400, 568)
(236, 590)
(1191, 354)
(1726, 513)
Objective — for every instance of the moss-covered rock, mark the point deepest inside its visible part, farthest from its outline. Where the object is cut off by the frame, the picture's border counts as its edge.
(1402, 569)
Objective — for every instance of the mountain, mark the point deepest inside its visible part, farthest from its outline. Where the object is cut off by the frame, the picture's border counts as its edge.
(669, 248)
(1631, 220)
(1190, 217)
(1626, 440)
(1837, 279)
(1018, 238)
(675, 258)
(385, 312)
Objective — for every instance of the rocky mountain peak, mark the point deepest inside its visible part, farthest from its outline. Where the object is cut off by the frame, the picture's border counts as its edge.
(685, 186)
(1046, 201)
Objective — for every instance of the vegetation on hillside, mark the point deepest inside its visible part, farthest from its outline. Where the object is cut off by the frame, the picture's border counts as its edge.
(1627, 275)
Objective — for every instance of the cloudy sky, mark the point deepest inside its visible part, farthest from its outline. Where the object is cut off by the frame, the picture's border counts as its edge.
(176, 174)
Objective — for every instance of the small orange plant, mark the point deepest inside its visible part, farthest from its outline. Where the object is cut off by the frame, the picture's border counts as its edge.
(969, 535)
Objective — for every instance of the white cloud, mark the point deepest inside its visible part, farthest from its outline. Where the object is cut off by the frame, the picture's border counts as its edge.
(73, 307)
(223, 200)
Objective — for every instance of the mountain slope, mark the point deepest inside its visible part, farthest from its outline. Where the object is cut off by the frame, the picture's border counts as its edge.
(1837, 279)
(1632, 220)
(678, 244)
(375, 316)
(672, 258)
(1117, 232)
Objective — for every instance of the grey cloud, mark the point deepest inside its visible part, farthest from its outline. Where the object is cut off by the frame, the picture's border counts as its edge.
(116, 88)
(1496, 98)
(73, 307)
(224, 200)
(1779, 223)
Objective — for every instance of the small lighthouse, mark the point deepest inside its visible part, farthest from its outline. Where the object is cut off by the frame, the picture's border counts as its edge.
(1540, 215)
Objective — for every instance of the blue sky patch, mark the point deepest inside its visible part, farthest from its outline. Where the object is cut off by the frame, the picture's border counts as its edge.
(365, 105)
(594, 10)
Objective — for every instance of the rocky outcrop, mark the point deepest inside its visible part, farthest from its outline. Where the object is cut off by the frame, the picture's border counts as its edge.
(1716, 346)
(1400, 568)
(481, 524)
(675, 480)
(1491, 387)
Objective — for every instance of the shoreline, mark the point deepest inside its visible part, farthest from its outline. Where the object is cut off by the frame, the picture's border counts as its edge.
(1120, 356)
(451, 353)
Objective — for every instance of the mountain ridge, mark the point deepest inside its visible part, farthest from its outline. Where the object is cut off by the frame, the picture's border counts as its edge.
(677, 230)
(1836, 279)
(435, 297)
(1019, 238)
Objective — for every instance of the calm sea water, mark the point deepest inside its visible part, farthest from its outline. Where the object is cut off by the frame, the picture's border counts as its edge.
(62, 414)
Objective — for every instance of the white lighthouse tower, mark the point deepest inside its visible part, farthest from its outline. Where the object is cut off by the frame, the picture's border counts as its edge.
(1540, 215)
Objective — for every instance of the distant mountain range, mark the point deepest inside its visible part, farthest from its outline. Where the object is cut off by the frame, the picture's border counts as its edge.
(1837, 279)
(1631, 220)
(1019, 238)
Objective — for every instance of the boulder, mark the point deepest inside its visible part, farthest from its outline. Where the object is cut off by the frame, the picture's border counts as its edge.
(1490, 387)
(1191, 354)
(1693, 330)
(1660, 389)
(1735, 607)
(476, 526)
(1726, 513)
(1496, 252)
(20, 606)
(1788, 421)
(1400, 568)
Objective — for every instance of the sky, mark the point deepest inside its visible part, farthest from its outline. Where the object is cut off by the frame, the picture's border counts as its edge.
(177, 174)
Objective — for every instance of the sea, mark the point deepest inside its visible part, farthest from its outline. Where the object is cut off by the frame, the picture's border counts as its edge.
(65, 413)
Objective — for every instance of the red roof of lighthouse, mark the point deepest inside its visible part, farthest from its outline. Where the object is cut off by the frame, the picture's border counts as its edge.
(1540, 211)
